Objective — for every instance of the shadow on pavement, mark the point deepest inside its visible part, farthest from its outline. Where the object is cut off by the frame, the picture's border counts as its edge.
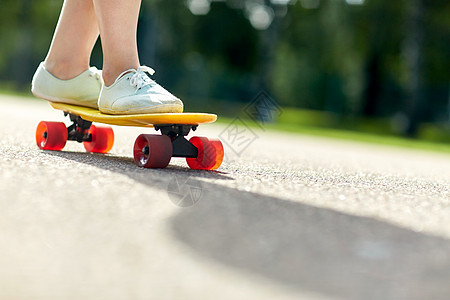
(316, 249)
(298, 245)
(126, 166)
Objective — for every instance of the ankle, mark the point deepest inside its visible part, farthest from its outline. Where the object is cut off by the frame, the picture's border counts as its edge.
(110, 74)
(65, 69)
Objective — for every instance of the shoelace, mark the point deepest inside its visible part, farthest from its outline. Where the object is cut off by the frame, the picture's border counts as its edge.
(140, 79)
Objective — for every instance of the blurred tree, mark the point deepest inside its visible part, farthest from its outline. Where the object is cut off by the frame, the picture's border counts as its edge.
(413, 56)
(26, 29)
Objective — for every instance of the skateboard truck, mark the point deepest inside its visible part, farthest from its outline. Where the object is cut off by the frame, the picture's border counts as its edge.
(177, 133)
(79, 130)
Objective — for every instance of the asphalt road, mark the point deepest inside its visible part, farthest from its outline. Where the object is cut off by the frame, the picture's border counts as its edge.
(285, 217)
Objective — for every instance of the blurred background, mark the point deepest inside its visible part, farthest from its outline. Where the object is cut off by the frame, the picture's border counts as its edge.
(377, 67)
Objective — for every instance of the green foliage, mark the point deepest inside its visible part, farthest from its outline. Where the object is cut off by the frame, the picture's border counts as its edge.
(26, 28)
(234, 47)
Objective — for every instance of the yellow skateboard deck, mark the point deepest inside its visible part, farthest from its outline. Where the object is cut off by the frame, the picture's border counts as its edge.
(142, 120)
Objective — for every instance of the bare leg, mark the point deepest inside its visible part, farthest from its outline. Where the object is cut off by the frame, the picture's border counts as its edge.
(117, 21)
(74, 38)
(79, 25)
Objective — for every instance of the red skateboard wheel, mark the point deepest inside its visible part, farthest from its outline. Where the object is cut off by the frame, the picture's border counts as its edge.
(102, 139)
(152, 151)
(51, 135)
(210, 154)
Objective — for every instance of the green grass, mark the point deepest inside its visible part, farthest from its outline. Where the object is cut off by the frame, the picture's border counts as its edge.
(316, 123)
(7, 88)
(367, 137)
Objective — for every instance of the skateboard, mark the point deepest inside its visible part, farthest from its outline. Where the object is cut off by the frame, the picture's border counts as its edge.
(150, 150)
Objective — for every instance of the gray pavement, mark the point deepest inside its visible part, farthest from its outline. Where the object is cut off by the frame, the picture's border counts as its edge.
(286, 217)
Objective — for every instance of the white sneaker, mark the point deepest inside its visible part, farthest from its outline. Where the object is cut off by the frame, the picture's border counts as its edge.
(134, 92)
(82, 90)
